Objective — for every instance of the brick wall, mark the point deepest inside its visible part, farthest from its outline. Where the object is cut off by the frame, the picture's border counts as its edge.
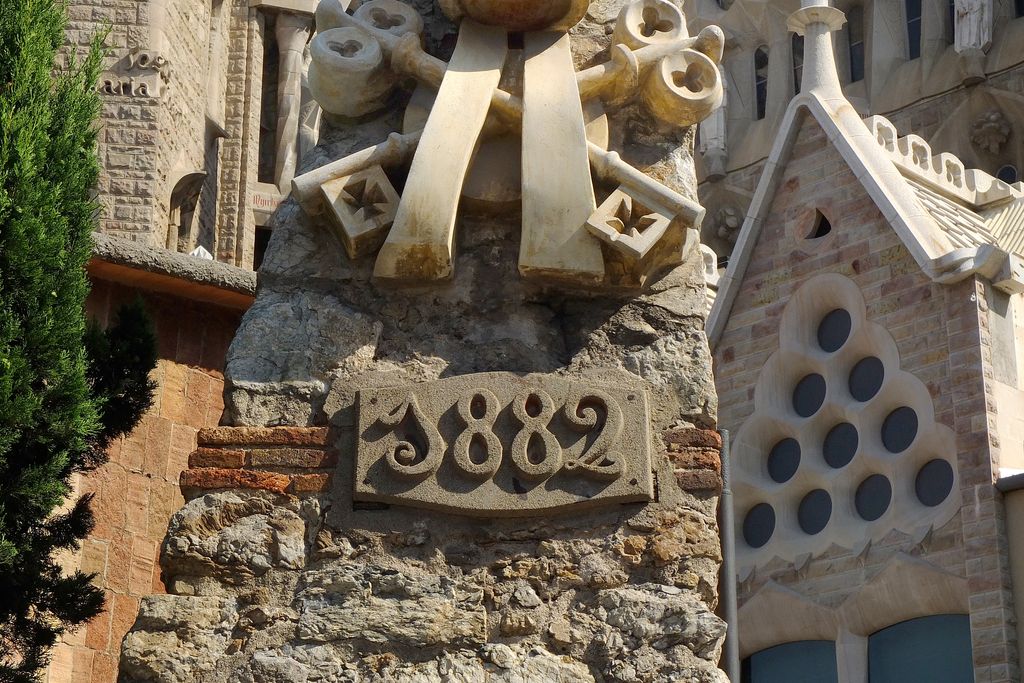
(942, 340)
(137, 491)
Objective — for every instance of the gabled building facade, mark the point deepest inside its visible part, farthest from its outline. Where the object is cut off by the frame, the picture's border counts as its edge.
(867, 340)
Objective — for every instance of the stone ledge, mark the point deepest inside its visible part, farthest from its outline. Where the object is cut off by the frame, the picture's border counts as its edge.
(263, 436)
(692, 438)
(132, 263)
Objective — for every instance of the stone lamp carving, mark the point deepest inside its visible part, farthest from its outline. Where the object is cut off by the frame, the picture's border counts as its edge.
(558, 114)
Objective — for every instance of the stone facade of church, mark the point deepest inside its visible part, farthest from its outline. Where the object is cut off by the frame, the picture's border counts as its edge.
(867, 347)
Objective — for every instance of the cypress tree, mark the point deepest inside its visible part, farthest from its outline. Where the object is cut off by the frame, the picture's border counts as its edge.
(58, 409)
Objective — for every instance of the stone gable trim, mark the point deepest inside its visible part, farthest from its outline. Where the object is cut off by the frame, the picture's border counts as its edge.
(884, 183)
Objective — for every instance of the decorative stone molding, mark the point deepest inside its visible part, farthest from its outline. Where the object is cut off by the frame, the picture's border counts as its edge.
(358, 58)
(144, 73)
(905, 588)
(944, 173)
(499, 444)
(842, 446)
(990, 131)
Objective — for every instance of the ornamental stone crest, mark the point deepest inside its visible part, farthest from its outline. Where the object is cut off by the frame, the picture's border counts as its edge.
(497, 443)
(509, 122)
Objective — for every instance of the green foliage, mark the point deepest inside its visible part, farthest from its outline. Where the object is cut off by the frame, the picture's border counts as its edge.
(57, 411)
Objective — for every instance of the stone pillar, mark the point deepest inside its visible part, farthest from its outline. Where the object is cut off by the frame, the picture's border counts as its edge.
(508, 475)
(292, 33)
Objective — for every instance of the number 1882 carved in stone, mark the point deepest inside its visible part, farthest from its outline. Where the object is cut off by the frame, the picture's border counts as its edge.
(499, 443)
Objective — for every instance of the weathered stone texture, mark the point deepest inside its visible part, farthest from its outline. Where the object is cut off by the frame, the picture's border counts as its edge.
(324, 588)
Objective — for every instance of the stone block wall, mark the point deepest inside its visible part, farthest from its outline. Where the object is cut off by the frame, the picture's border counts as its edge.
(240, 149)
(942, 339)
(199, 115)
(137, 491)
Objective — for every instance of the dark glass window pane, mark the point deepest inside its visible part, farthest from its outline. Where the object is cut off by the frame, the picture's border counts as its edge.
(815, 511)
(1018, 7)
(856, 62)
(934, 482)
(866, 378)
(798, 61)
(1008, 173)
(808, 395)
(899, 429)
(913, 9)
(761, 80)
(806, 661)
(840, 445)
(784, 460)
(834, 330)
(927, 650)
(759, 525)
(873, 497)
(855, 32)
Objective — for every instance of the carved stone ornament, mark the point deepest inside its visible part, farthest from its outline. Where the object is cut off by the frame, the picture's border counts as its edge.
(500, 444)
(359, 58)
(142, 73)
(362, 208)
(990, 131)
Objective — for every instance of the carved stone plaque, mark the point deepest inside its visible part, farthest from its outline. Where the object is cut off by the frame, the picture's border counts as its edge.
(500, 444)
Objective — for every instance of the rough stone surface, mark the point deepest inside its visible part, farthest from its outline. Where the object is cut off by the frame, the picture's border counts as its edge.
(324, 587)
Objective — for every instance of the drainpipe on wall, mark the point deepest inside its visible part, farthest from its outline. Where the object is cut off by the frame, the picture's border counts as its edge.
(731, 652)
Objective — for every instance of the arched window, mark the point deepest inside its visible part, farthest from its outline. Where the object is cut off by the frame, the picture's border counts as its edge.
(1018, 7)
(798, 61)
(913, 15)
(855, 33)
(805, 661)
(181, 233)
(761, 80)
(950, 22)
(934, 648)
(1008, 174)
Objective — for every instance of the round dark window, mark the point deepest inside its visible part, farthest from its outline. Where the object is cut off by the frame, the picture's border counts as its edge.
(809, 395)
(815, 511)
(834, 330)
(783, 460)
(866, 378)
(873, 497)
(934, 482)
(759, 525)
(840, 445)
(899, 429)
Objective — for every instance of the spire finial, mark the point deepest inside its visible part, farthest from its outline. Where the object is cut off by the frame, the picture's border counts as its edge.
(816, 20)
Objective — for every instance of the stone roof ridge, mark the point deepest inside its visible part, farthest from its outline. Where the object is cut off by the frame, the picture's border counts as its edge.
(943, 172)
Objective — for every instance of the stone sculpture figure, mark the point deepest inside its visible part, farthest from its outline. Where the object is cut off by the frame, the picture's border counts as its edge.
(470, 415)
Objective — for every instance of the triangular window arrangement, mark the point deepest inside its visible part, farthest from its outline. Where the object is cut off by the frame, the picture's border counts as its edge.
(821, 226)
(842, 446)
